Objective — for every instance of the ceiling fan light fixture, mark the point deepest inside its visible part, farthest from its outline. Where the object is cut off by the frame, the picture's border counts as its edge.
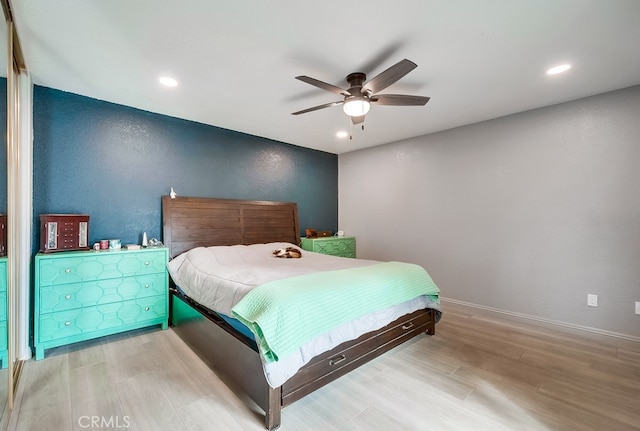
(356, 106)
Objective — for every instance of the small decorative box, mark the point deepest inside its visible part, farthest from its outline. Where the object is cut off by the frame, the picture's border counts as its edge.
(3, 234)
(64, 232)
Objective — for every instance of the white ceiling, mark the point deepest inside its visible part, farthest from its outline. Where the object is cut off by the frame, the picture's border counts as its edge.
(236, 60)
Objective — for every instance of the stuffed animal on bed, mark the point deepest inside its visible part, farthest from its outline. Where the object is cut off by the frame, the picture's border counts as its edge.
(289, 252)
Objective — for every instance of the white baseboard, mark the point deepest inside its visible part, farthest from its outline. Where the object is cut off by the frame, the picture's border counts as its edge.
(543, 320)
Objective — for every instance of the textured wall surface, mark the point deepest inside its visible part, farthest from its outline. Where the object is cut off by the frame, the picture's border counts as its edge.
(527, 213)
(114, 163)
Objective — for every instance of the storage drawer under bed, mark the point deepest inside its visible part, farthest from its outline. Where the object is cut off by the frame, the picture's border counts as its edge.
(351, 354)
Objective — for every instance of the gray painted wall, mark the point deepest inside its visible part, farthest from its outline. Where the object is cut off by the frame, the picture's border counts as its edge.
(527, 213)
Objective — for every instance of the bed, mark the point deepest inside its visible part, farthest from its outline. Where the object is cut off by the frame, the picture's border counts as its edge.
(191, 224)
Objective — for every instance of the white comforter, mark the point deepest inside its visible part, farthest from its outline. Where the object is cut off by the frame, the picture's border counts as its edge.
(219, 277)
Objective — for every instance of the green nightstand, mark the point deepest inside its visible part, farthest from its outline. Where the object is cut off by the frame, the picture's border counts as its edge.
(88, 294)
(343, 246)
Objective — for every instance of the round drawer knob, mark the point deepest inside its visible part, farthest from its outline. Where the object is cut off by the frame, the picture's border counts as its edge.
(146, 286)
(67, 297)
(67, 270)
(67, 323)
(146, 308)
(146, 263)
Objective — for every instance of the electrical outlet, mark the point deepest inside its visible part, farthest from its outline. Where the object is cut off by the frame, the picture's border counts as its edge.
(637, 307)
(592, 300)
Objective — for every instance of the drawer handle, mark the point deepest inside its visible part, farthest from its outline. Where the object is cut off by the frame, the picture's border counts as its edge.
(67, 297)
(146, 286)
(146, 263)
(337, 359)
(146, 308)
(67, 323)
(407, 326)
(67, 270)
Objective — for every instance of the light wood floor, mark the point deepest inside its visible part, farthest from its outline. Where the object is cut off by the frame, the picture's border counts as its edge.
(479, 372)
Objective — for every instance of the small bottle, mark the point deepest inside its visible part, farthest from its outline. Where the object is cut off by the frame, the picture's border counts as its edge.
(144, 239)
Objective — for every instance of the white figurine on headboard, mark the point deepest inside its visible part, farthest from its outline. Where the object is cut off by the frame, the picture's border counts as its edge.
(172, 193)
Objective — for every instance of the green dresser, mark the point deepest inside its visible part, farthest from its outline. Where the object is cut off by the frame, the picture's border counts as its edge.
(343, 246)
(4, 353)
(87, 294)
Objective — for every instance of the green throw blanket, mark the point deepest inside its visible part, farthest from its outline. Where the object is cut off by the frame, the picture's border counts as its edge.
(284, 314)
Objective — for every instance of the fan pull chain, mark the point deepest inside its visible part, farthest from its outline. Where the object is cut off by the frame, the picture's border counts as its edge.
(351, 129)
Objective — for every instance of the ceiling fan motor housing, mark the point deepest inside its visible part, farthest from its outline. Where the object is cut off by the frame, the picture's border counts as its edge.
(355, 81)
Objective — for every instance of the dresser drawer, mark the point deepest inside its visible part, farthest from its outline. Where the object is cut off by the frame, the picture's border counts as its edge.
(62, 324)
(3, 337)
(3, 306)
(89, 266)
(335, 246)
(70, 296)
(3, 274)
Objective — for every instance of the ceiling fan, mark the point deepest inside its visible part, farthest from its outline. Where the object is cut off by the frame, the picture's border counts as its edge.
(360, 94)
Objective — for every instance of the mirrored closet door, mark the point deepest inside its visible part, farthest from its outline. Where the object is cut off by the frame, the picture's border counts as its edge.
(4, 306)
(16, 198)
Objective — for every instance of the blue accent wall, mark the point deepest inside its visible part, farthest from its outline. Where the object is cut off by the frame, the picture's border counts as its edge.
(115, 162)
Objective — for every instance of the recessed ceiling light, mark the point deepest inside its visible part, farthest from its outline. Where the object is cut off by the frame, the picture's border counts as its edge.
(558, 69)
(167, 81)
(341, 134)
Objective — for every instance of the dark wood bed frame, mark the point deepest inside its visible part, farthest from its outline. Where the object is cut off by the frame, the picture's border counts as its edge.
(190, 222)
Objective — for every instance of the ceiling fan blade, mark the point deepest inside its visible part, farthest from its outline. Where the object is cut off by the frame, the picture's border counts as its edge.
(323, 85)
(382, 57)
(315, 108)
(357, 120)
(399, 100)
(389, 76)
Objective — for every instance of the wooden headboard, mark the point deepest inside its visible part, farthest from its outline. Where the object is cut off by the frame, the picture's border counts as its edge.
(189, 222)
